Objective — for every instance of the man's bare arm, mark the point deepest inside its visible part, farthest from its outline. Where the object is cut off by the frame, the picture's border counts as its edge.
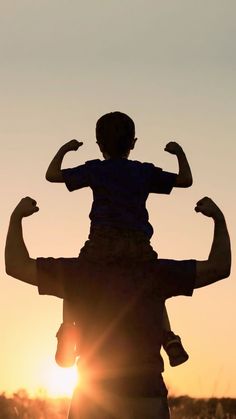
(54, 173)
(218, 264)
(17, 259)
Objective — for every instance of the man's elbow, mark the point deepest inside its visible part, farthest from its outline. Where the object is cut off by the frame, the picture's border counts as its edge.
(221, 272)
(207, 273)
(225, 273)
(13, 269)
(224, 269)
(25, 271)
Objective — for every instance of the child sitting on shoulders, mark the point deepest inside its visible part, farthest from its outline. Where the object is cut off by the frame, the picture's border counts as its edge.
(120, 231)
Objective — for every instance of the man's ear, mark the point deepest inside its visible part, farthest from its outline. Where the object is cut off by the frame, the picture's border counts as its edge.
(133, 143)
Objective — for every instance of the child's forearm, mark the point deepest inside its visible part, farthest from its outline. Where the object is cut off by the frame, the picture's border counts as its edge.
(54, 173)
(184, 178)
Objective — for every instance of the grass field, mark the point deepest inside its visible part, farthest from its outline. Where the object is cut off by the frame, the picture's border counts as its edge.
(20, 405)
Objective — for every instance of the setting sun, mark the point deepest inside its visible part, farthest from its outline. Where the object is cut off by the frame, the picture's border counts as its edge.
(59, 382)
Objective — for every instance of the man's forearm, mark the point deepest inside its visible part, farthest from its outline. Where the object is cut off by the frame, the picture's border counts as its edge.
(218, 265)
(17, 259)
(220, 254)
(184, 178)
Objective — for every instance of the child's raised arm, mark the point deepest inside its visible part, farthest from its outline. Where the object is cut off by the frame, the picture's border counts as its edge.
(184, 178)
(54, 173)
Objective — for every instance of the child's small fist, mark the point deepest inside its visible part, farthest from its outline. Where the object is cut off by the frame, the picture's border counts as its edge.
(72, 145)
(173, 148)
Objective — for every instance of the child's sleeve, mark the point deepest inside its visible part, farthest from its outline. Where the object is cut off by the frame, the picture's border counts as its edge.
(161, 182)
(76, 178)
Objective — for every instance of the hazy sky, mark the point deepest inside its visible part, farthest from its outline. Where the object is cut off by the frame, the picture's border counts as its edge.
(171, 66)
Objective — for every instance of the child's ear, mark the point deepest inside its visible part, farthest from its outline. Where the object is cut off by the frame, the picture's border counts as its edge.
(133, 143)
(100, 146)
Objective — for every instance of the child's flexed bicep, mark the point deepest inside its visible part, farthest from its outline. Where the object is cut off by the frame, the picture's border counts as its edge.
(184, 177)
(54, 173)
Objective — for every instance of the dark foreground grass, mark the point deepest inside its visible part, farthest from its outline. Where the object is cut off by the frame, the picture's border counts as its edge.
(185, 407)
(21, 406)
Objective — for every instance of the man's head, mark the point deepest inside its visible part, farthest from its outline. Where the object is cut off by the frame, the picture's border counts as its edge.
(115, 133)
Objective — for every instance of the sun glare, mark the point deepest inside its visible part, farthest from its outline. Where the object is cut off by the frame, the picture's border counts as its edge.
(60, 382)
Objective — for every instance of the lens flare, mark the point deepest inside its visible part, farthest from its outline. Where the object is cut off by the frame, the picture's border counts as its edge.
(60, 382)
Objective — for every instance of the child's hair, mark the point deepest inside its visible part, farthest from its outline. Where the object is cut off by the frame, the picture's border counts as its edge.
(115, 132)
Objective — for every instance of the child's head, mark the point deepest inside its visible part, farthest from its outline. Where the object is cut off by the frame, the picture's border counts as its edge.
(115, 133)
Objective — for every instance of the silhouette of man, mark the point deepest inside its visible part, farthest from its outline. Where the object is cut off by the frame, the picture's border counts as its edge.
(120, 318)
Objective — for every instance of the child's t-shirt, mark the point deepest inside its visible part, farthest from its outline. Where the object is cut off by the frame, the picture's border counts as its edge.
(120, 190)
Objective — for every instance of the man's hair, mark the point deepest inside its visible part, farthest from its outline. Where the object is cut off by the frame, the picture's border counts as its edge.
(115, 132)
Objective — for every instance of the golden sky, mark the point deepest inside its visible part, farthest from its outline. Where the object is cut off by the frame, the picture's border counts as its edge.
(171, 66)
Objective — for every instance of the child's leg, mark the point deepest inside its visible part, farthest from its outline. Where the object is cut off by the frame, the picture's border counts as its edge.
(68, 312)
(166, 321)
(172, 343)
(67, 337)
